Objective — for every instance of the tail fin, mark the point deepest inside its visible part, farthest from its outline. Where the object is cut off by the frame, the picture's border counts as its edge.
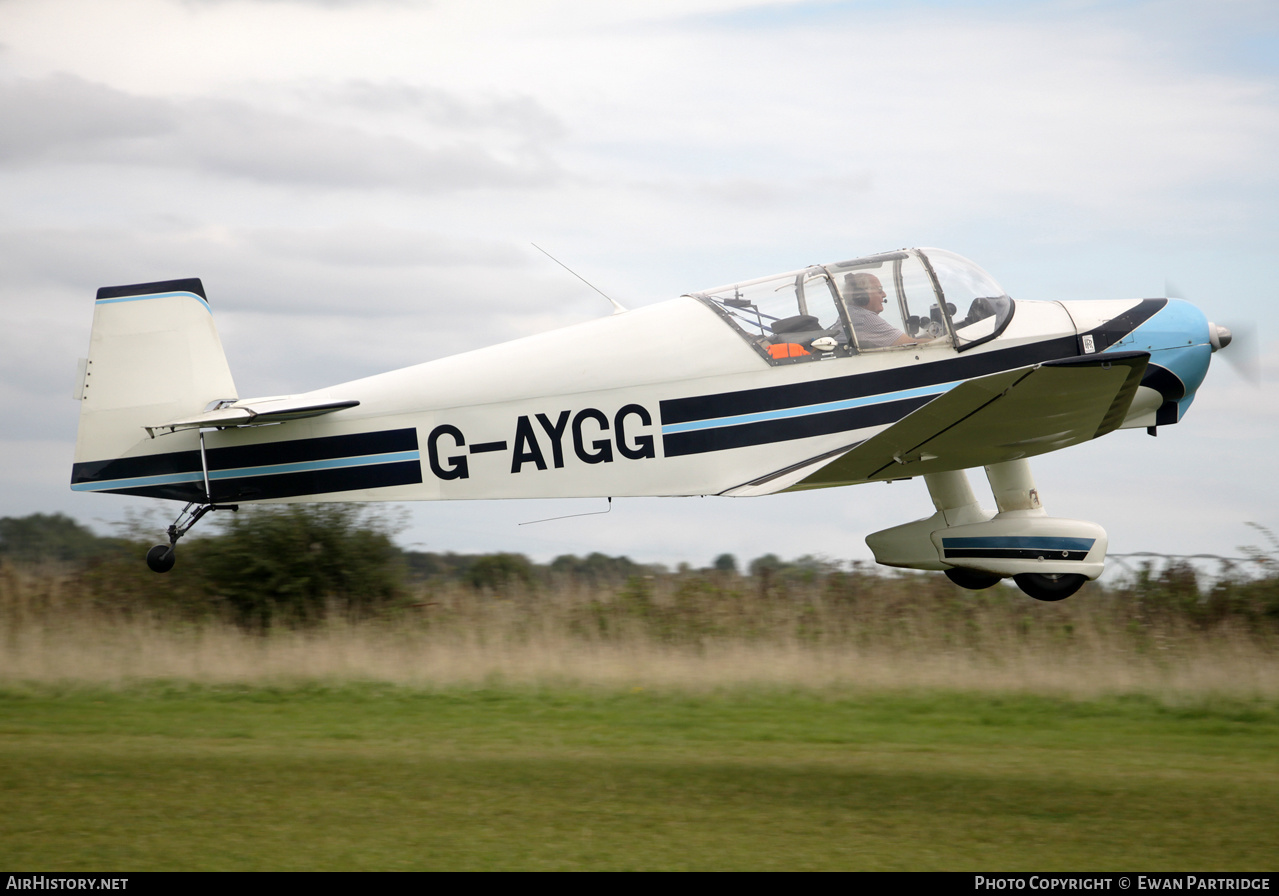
(154, 355)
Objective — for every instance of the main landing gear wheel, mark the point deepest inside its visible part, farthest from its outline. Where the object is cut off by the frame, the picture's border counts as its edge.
(972, 579)
(161, 558)
(1044, 586)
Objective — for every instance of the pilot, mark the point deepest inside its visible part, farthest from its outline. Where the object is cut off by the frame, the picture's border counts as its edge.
(867, 295)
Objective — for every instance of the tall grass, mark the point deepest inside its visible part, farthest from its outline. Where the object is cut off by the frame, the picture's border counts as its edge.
(823, 628)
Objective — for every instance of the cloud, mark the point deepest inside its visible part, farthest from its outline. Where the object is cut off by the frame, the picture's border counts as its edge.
(317, 4)
(62, 115)
(73, 257)
(518, 116)
(955, 116)
(230, 138)
(298, 308)
(66, 119)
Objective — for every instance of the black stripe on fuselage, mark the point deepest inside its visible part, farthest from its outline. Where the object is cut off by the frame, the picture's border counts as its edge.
(134, 467)
(288, 485)
(1115, 329)
(861, 385)
(278, 485)
(299, 450)
(1012, 554)
(289, 451)
(765, 431)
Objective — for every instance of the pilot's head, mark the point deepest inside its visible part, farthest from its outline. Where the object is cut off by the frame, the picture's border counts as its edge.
(865, 290)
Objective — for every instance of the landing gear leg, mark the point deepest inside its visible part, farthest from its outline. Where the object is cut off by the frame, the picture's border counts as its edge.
(1014, 487)
(162, 557)
(953, 497)
(1015, 492)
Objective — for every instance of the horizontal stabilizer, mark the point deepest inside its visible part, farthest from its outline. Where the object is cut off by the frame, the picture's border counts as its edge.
(251, 412)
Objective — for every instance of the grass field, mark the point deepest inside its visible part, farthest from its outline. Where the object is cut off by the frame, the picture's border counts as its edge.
(352, 776)
(688, 720)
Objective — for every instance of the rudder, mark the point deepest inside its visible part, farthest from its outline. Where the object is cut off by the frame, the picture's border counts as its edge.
(154, 355)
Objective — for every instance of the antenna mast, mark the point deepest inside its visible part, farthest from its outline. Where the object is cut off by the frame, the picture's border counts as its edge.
(617, 306)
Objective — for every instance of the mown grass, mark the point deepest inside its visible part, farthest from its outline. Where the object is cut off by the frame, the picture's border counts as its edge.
(822, 718)
(171, 775)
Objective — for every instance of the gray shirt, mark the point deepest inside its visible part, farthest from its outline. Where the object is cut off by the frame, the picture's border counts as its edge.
(872, 330)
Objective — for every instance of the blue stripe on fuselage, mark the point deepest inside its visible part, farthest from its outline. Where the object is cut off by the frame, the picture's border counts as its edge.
(807, 410)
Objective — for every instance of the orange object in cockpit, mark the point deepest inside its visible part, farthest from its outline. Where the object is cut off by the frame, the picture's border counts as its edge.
(787, 350)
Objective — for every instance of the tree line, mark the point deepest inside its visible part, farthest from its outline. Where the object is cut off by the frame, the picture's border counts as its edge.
(303, 564)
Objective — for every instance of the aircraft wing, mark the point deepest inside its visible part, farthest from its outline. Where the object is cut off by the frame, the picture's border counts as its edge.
(995, 418)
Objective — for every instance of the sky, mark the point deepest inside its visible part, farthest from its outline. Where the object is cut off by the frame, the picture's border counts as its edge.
(360, 185)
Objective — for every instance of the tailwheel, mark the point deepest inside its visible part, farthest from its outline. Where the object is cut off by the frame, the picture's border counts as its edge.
(1047, 586)
(972, 579)
(162, 557)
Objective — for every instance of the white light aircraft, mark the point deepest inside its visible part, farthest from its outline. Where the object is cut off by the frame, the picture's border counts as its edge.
(902, 364)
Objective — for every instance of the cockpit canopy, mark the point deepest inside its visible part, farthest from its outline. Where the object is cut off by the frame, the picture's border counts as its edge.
(912, 297)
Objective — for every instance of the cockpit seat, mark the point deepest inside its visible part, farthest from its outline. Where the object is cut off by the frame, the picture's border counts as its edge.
(796, 324)
(801, 330)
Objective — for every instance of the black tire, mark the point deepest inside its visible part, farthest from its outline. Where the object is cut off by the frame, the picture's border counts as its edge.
(161, 558)
(972, 579)
(1043, 586)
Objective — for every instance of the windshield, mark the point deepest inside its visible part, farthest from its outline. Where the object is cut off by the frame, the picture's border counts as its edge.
(978, 306)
